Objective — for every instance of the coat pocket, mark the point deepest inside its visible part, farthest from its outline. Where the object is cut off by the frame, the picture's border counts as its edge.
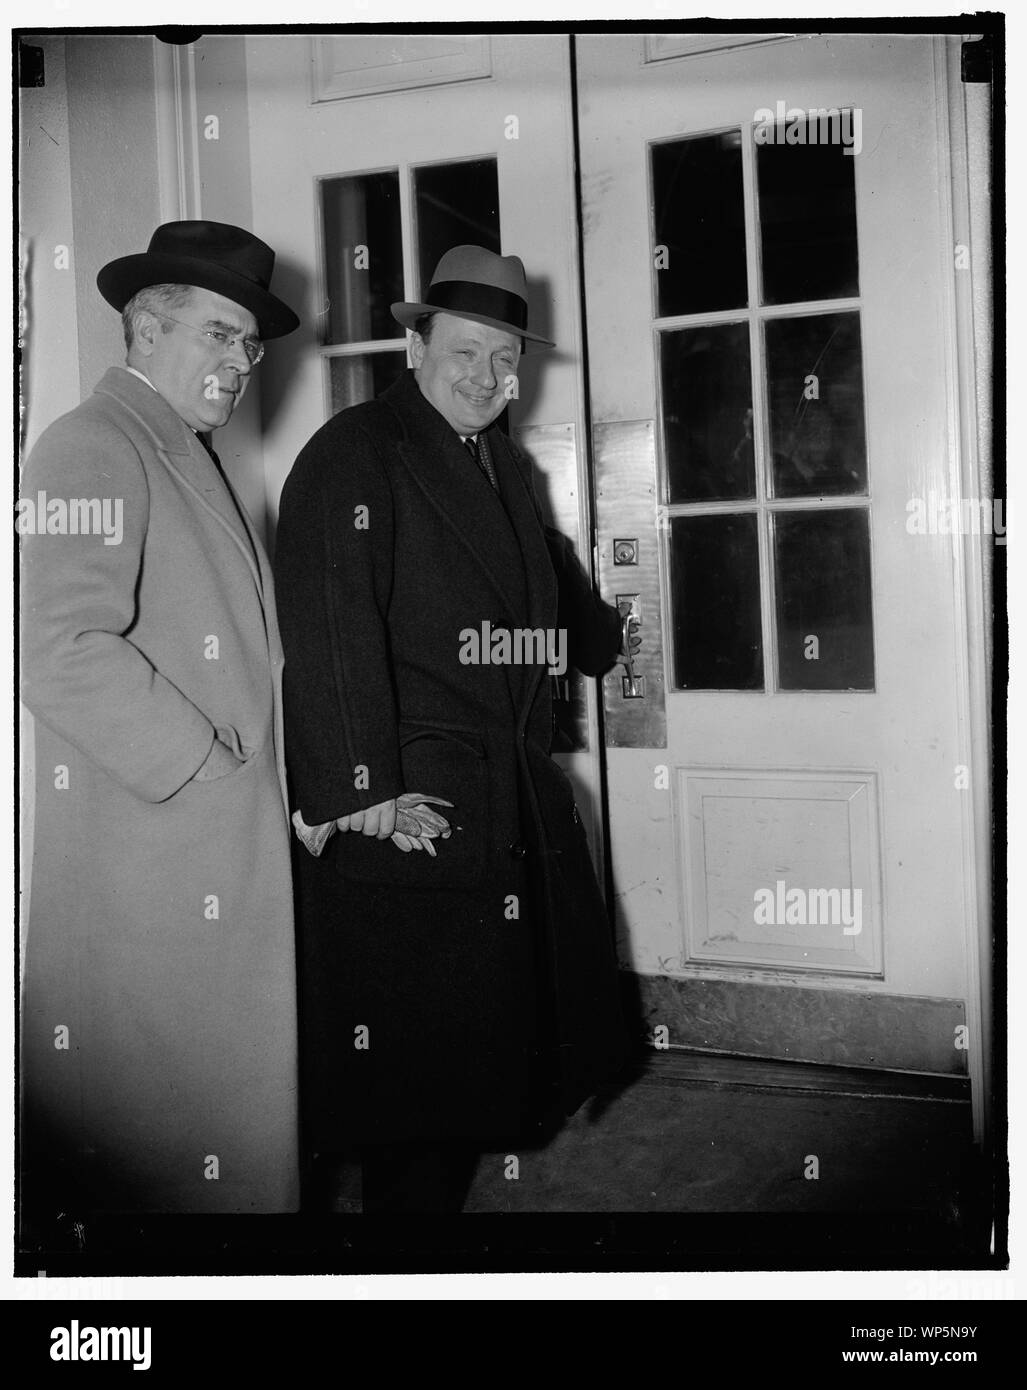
(437, 760)
(248, 758)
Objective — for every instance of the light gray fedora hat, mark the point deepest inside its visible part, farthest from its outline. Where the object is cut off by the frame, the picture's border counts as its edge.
(473, 283)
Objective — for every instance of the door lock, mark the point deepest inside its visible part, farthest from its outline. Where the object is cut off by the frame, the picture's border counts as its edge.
(629, 607)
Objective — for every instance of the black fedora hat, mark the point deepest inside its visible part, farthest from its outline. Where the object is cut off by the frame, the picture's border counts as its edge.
(211, 255)
(472, 283)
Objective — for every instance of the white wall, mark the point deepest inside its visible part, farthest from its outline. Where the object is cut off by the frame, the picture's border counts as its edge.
(50, 376)
(114, 178)
(217, 68)
(94, 179)
(49, 324)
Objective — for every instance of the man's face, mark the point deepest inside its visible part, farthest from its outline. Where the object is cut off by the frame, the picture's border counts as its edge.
(463, 370)
(201, 378)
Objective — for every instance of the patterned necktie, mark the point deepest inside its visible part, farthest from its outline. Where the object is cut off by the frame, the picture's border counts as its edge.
(483, 459)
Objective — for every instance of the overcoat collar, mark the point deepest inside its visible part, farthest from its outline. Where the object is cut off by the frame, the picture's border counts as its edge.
(186, 457)
(435, 457)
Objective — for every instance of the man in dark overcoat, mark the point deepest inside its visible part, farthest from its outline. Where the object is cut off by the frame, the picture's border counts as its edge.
(458, 991)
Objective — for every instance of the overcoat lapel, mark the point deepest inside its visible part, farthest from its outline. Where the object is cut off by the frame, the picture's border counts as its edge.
(187, 459)
(538, 568)
(441, 469)
(482, 522)
(520, 506)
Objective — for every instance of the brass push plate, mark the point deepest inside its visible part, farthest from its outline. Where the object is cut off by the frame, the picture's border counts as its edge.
(625, 468)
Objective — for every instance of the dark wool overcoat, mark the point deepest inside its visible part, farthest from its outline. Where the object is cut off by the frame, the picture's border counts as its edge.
(473, 994)
(159, 1001)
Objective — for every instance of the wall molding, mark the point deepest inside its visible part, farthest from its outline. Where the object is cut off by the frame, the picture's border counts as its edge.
(344, 66)
(178, 164)
(964, 193)
(665, 48)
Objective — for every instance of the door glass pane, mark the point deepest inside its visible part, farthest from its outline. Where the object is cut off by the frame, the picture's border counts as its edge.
(807, 196)
(707, 413)
(815, 391)
(363, 251)
(824, 625)
(715, 599)
(456, 205)
(353, 380)
(698, 224)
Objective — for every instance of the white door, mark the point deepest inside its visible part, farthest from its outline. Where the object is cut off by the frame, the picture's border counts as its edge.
(373, 155)
(770, 348)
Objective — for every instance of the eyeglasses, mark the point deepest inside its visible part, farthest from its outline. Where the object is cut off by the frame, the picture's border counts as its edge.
(253, 349)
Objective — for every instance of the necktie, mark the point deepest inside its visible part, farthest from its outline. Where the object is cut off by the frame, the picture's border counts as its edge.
(483, 459)
(205, 441)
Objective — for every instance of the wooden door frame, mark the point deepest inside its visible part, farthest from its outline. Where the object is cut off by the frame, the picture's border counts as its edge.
(964, 138)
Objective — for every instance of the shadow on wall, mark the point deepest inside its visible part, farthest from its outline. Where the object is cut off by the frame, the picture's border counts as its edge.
(292, 282)
(540, 310)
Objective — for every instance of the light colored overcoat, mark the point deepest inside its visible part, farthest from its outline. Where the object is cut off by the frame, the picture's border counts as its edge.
(158, 1007)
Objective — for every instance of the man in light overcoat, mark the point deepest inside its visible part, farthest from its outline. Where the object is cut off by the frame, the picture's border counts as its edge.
(158, 1005)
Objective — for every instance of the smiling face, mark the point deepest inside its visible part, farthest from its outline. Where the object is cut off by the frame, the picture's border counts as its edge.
(201, 379)
(464, 370)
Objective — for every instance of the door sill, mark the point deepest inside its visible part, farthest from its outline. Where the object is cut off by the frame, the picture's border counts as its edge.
(691, 1067)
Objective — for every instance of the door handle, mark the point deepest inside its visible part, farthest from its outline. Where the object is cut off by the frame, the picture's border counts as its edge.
(630, 609)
